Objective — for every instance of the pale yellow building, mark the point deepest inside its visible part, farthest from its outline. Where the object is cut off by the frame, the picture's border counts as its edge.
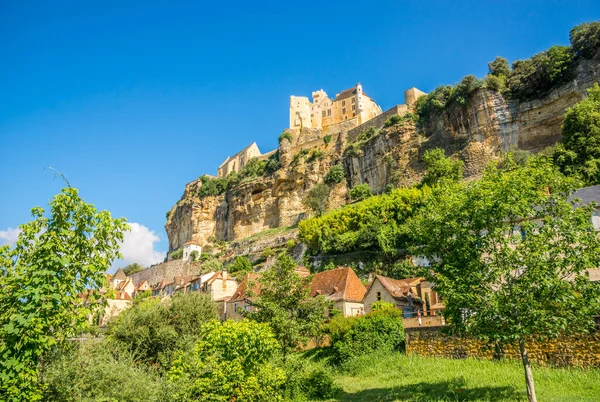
(322, 112)
(236, 162)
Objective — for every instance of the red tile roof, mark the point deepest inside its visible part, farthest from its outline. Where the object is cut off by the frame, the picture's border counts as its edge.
(399, 288)
(303, 272)
(242, 291)
(339, 284)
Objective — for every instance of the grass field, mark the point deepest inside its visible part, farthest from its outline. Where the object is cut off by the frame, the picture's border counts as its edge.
(396, 377)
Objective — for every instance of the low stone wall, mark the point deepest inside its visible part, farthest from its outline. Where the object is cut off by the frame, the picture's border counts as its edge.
(377, 121)
(426, 321)
(577, 351)
(166, 270)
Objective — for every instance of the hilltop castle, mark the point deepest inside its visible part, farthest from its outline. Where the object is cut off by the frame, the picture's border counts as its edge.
(350, 109)
(352, 103)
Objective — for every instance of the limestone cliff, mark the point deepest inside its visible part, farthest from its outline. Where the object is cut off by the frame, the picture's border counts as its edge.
(475, 133)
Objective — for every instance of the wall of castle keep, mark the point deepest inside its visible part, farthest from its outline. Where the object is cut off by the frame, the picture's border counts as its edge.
(377, 121)
(576, 351)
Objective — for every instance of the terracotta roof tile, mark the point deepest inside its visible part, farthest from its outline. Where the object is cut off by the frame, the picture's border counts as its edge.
(242, 291)
(339, 284)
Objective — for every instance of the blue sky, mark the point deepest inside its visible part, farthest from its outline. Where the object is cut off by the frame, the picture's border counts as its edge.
(131, 100)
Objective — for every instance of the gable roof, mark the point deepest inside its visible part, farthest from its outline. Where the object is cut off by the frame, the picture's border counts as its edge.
(239, 153)
(242, 291)
(339, 284)
(119, 275)
(399, 288)
(588, 195)
(348, 93)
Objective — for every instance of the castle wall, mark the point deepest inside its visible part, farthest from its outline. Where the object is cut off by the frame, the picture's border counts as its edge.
(166, 270)
(377, 121)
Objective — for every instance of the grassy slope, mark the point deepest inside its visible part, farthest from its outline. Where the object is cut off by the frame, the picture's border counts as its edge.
(396, 377)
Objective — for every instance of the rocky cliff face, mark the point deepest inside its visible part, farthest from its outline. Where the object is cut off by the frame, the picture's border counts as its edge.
(474, 133)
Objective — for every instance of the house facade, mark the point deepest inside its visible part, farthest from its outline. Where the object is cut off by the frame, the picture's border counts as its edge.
(236, 162)
(402, 293)
(342, 287)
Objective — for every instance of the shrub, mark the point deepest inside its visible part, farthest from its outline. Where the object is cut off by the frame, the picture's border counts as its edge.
(301, 155)
(360, 192)
(499, 67)
(177, 254)
(212, 186)
(380, 330)
(93, 371)
(585, 39)
(291, 243)
(241, 266)
(441, 169)
(495, 83)
(273, 164)
(132, 269)
(253, 168)
(317, 198)
(308, 380)
(327, 139)
(286, 135)
(536, 76)
(230, 362)
(578, 153)
(316, 154)
(335, 175)
(395, 119)
(266, 253)
(168, 214)
(153, 329)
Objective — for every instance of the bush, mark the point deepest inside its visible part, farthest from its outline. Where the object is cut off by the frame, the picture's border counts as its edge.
(327, 139)
(273, 164)
(578, 154)
(308, 380)
(395, 119)
(536, 76)
(132, 269)
(585, 39)
(177, 254)
(93, 371)
(266, 253)
(286, 135)
(335, 175)
(212, 186)
(441, 169)
(153, 329)
(241, 266)
(380, 330)
(495, 83)
(499, 67)
(360, 192)
(316, 154)
(230, 363)
(317, 198)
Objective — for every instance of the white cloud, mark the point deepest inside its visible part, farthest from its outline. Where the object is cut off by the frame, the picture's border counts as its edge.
(138, 246)
(9, 236)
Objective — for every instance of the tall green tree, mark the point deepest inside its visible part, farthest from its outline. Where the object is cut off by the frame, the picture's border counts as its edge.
(579, 151)
(132, 268)
(284, 304)
(317, 198)
(56, 258)
(509, 254)
(440, 168)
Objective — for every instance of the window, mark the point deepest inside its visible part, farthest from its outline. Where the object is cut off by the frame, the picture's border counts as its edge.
(328, 112)
(353, 114)
(323, 114)
(235, 307)
(353, 107)
(378, 296)
(343, 103)
(353, 100)
(344, 111)
(345, 117)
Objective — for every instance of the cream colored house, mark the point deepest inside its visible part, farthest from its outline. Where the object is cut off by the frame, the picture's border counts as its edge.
(350, 104)
(342, 287)
(402, 293)
(236, 162)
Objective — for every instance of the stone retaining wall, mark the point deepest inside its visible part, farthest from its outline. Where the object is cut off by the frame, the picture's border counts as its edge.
(577, 351)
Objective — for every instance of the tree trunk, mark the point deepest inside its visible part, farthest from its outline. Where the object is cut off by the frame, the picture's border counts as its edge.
(528, 373)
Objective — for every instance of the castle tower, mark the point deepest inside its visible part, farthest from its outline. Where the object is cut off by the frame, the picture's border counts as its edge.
(360, 105)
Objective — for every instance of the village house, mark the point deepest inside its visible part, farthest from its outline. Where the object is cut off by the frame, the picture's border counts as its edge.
(236, 162)
(191, 251)
(402, 293)
(142, 287)
(342, 287)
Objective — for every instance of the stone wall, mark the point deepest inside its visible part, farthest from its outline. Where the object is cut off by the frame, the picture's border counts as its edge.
(377, 121)
(166, 270)
(578, 351)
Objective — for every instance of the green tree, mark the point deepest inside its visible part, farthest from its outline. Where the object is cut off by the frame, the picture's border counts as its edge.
(579, 151)
(499, 67)
(132, 269)
(230, 362)
(152, 330)
(441, 169)
(585, 39)
(241, 266)
(510, 259)
(335, 175)
(284, 304)
(360, 192)
(317, 198)
(56, 258)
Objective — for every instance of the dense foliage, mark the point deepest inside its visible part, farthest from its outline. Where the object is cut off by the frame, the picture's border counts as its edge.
(240, 267)
(360, 192)
(579, 151)
(317, 198)
(441, 169)
(381, 330)
(509, 254)
(335, 175)
(373, 224)
(56, 258)
(585, 39)
(284, 304)
(155, 329)
(132, 268)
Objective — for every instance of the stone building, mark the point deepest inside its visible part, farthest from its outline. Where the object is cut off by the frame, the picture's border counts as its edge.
(188, 251)
(236, 162)
(342, 287)
(352, 103)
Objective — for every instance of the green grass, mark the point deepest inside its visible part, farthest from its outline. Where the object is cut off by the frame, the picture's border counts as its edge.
(396, 377)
